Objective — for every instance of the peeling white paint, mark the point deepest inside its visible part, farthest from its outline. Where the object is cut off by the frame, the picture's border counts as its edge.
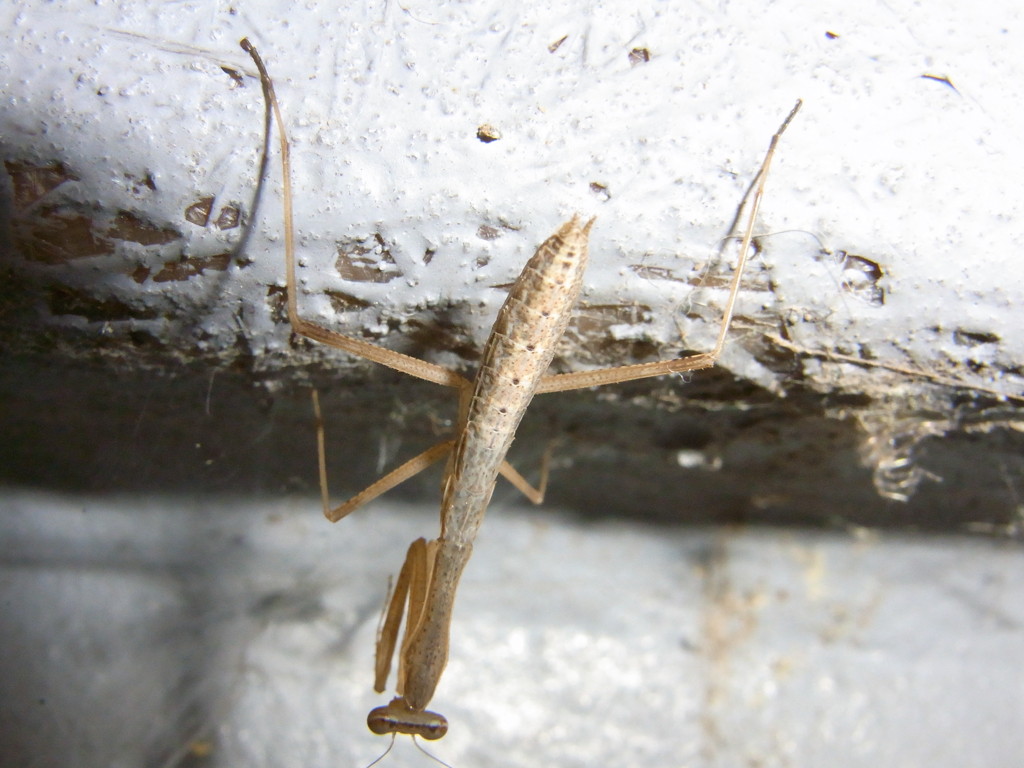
(383, 102)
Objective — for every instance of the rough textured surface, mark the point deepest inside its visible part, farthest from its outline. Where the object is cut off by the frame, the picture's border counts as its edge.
(642, 452)
(133, 236)
(145, 349)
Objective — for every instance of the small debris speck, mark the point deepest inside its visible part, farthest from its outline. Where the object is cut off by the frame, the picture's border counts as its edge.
(487, 133)
(639, 56)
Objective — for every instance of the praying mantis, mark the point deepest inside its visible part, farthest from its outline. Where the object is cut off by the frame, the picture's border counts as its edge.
(513, 369)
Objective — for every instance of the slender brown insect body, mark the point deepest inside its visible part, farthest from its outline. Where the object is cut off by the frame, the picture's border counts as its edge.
(516, 356)
(515, 360)
(518, 352)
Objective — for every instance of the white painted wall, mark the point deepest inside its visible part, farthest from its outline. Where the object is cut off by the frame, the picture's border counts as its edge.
(149, 628)
(382, 102)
